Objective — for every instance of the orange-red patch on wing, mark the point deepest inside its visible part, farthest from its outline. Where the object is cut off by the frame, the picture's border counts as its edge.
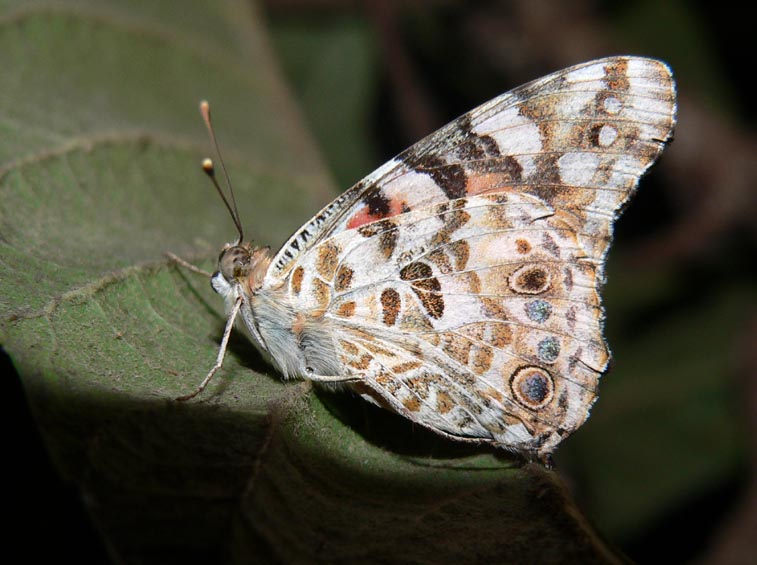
(364, 216)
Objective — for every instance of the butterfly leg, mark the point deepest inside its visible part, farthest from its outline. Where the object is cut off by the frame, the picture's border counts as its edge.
(187, 265)
(329, 379)
(221, 352)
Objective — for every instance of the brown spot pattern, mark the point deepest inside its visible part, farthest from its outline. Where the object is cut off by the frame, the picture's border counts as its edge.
(530, 279)
(500, 335)
(349, 347)
(346, 309)
(425, 287)
(444, 402)
(522, 246)
(387, 243)
(412, 404)
(415, 271)
(406, 366)
(496, 334)
(390, 306)
(343, 278)
(419, 385)
(389, 382)
(542, 111)
(616, 75)
(493, 308)
(462, 163)
(321, 292)
(297, 276)
(432, 338)
(482, 359)
(476, 330)
(494, 394)
(457, 219)
(433, 302)
(440, 259)
(471, 281)
(328, 259)
(372, 345)
(453, 221)
(370, 230)
(361, 363)
(594, 131)
(460, 251)
(456, 347)
(498, 217)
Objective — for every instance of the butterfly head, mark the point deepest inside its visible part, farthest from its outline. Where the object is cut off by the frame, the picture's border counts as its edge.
(241, 267)
(240, 264)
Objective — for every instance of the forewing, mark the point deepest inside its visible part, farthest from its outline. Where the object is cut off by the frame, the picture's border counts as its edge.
(578, 139)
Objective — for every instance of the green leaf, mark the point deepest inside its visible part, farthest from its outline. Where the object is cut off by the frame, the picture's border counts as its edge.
(99, 172)
(333, 68)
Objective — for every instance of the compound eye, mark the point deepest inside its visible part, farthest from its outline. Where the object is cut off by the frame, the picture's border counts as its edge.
(234, 263)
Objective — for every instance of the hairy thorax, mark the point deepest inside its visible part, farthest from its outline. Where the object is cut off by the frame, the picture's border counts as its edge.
(299, 343)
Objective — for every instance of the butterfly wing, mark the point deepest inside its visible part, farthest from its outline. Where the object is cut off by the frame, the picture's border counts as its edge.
(579, 139)
(460, 281)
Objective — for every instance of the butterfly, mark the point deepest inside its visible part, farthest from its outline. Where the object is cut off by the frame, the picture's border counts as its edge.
(458, 284)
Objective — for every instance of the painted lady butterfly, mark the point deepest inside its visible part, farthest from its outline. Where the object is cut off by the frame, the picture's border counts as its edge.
(458, 284)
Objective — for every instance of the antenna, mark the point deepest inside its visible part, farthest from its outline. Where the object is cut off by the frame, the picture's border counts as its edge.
(209, 169)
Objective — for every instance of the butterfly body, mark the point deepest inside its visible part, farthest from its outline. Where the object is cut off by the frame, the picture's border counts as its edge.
(458, 284)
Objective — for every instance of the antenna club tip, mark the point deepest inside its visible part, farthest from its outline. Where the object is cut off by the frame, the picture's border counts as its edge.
(205, 111)
(207, 166)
